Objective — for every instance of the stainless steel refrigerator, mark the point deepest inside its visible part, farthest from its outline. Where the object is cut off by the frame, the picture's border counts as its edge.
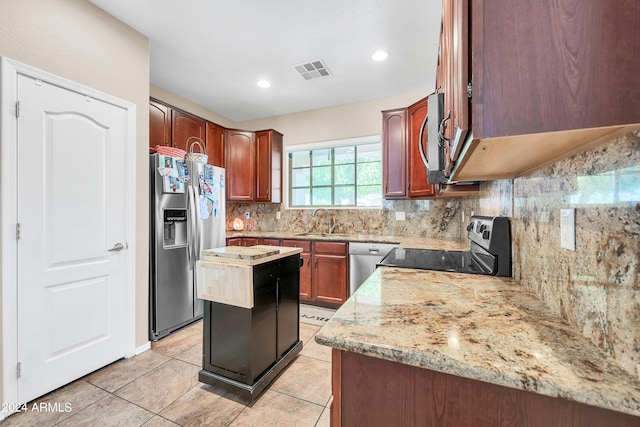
(187, 215)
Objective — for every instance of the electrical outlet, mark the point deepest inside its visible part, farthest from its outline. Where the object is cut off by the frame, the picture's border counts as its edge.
(278, 215)
(568, 229)
(400, 216)
(247, 215)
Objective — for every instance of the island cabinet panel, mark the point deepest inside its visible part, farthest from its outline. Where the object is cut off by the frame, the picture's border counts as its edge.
(394, 153)
(369, 391)
(240, 161)
(159, 124)
(186, 129)
(215, 145)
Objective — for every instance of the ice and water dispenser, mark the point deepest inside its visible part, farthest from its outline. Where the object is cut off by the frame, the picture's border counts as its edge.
(175, 228)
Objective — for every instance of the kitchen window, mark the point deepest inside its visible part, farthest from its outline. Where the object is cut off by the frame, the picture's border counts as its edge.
(340, 176)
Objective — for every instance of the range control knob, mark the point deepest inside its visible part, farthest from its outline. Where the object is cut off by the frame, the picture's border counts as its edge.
(470, 226)
(486, 234)
(482, 228)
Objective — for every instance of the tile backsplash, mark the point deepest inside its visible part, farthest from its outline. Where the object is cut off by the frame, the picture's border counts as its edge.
(595, 287)
(426, 218)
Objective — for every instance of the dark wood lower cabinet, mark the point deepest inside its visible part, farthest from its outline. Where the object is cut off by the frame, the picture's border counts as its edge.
(324, 273)
(368, 391)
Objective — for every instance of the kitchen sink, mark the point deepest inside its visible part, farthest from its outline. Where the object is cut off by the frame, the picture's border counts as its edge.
(312, 235)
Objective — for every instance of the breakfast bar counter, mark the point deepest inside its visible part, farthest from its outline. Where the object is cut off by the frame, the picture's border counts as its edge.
(488, 332)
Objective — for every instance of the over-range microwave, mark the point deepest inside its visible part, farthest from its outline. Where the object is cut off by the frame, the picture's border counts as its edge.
(434, 154)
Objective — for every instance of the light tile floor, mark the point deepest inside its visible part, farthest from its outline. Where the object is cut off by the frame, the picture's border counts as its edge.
(160, 388)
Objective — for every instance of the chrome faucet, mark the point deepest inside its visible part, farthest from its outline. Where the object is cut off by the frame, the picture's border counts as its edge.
(331, 222)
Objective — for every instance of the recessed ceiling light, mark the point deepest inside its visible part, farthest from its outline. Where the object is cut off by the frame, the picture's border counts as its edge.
(263, 83)
(379, 55)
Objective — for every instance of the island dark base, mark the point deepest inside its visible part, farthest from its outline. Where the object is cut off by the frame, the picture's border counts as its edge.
(251, 392)
(368, 391)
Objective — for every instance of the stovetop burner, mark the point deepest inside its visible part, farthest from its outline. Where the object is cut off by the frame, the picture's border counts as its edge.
(489, 254)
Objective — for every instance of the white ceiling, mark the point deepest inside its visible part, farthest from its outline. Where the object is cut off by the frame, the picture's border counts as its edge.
(213, 52)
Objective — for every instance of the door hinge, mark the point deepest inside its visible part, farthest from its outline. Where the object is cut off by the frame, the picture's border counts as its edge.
(469, 90)
(17, 109)
(18, 369)
(18, 231)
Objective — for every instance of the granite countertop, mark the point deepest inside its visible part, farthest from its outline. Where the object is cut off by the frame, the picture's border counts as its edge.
(403, 241)
(479, 327)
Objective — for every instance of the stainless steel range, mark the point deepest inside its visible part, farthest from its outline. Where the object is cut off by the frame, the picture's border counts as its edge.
(489, 252)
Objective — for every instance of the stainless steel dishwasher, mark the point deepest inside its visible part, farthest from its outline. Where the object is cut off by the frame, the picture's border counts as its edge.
(363, 258)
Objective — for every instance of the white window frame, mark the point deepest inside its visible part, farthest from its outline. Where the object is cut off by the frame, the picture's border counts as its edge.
(319, 145)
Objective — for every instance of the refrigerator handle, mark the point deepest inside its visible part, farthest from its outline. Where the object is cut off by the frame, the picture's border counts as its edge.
(191, 222)
(195, 235)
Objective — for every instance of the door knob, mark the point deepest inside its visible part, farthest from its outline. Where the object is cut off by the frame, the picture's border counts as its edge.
(117, 247)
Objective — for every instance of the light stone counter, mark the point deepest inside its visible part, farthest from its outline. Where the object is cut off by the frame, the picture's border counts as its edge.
(479, 327)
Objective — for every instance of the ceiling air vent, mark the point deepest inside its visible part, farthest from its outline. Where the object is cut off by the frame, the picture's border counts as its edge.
(316, 69)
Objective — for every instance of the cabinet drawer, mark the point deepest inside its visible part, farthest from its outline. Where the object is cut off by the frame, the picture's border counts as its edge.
(335, 248)
(304, 244)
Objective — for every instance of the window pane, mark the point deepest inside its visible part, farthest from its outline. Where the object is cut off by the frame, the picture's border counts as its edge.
(300, 197)
(322, 175)
(321, 157)
(321, 196)
(369, 195)
(299, 159)
(345, 174)
(301, 177)
(345, 155)
(369, 173)
(345, 195)
(370, 153)
(340, 176)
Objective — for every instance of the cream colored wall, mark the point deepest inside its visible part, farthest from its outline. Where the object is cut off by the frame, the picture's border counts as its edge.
(343, 121)
(77, 41)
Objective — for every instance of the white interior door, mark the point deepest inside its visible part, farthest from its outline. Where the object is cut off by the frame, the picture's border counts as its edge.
(71, 214)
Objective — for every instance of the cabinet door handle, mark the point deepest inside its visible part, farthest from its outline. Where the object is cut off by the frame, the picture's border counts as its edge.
(315, 263)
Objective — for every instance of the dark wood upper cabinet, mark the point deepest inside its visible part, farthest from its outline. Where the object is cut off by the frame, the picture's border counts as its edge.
(394, 153)
(554, 66)
(418, 184)
(240, 165)
(268, 166)
(185, 126)
(215, 145)
(159, 124)
(548, 79)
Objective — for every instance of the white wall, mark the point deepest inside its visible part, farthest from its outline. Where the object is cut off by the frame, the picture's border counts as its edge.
(77, 41)
(326, 124)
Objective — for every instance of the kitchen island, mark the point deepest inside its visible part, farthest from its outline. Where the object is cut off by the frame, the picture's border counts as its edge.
(251, 316)
(415, 347)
